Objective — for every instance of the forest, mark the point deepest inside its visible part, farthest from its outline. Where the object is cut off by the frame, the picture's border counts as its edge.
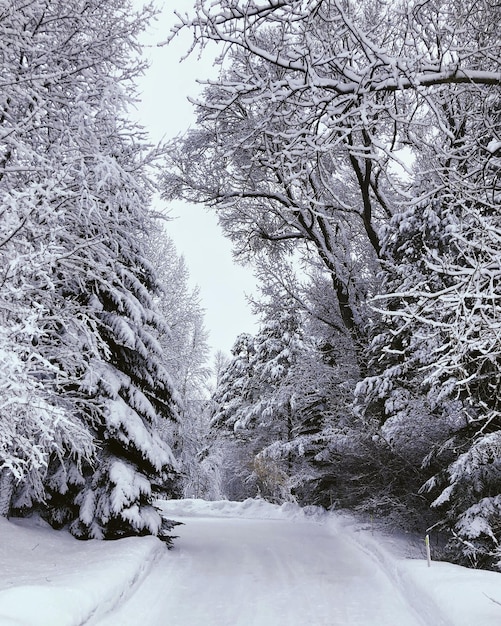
(351, 151)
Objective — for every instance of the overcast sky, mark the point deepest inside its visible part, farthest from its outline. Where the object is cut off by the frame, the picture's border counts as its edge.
(165, 111)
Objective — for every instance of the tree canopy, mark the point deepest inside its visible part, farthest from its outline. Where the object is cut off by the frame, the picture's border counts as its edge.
(360, 141)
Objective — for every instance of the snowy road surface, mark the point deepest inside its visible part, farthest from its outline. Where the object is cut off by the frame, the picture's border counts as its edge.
(271, 572)
(237, 564)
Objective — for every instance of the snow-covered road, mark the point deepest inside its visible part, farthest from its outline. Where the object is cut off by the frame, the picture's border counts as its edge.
(237, 564)
(264, 572)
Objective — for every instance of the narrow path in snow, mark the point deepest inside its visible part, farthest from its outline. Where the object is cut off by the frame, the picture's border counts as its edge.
(255, 572)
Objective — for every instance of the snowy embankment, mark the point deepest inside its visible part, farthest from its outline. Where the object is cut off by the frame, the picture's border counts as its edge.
(48, 578)
(248, 563)
(458, 596)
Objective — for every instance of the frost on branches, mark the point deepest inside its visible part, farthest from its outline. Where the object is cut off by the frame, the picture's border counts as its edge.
(364, 137)
(300, 140)
(253, 407)
(83, 386)
(278, 412)
(185, 354)
(440, 356)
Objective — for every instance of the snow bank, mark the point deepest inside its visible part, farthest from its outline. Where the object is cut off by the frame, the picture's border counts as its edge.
(248, 509)
(459, 596)
(49, 577)
(464, 596)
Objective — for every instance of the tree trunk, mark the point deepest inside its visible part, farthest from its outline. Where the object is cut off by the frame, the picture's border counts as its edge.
(6, 491)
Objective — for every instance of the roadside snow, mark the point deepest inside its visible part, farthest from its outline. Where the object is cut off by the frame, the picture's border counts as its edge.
(458, 596)
(248, 509)
(48, 578)
(466, 598)
(236, 564)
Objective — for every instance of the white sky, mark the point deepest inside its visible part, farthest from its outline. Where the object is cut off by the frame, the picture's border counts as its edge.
(166, 112)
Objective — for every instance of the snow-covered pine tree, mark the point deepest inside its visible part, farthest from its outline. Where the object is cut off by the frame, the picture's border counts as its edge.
(406, 416)
(469, 368)
(75, 189)
(185, 354)
(440, 352)
(402, 348)
(234, 393)
(231, 398)
(328, 452)
(273, 405)
(278, 347)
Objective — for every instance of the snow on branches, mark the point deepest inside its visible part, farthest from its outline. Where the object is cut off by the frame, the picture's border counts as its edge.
(80, 362)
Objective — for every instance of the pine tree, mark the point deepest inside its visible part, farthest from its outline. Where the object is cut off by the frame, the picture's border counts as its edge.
(259, 402)
(185, 353)
(438, 359)
(74, 183)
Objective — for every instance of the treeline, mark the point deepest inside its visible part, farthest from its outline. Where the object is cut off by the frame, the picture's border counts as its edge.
(351, 151)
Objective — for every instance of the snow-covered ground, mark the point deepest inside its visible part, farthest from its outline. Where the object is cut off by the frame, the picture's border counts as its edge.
(236, 564)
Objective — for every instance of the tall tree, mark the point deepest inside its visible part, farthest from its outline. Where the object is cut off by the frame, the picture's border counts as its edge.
(75, 279)
(438, 356)
(185, 345)
(299, 138)
(185, 354)
(271, 406)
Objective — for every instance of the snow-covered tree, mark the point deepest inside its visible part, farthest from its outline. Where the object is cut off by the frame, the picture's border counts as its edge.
(185, 354)
(270, 406)
(438, 352)
(78, 318)
(301, 138)
(185, 346)
(231, 397)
